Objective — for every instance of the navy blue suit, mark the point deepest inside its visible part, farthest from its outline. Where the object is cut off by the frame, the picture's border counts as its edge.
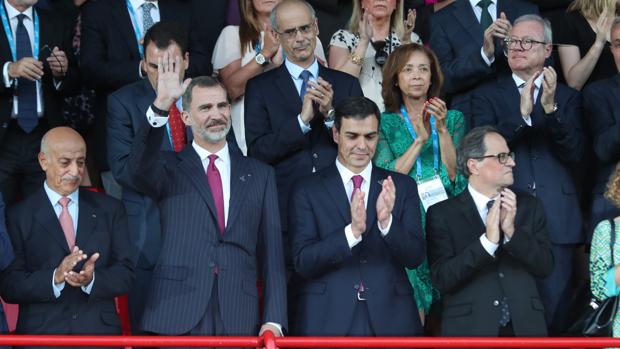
(457, 37)
(331, 272)
(194, 254)
(600, 101)
(40, 246)
(6, 257)
(543, 154)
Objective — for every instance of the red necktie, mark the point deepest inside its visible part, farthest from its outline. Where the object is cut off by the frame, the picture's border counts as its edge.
(177, 129)
(66, 222)
(357, 184)
(215, 182)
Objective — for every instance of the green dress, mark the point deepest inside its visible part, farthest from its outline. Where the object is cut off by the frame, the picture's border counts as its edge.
(602, 273)
(394, 140)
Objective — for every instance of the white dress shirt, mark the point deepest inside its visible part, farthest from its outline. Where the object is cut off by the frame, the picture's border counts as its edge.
(12, 14)
(521, 84)
(478, 12)
(481, 200)
(346, 177)
(223, 165)
(73, 208)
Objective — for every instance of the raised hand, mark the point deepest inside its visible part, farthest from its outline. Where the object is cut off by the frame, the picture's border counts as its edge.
(499, 29)
(270, 42)
(169, 85)
(527, 96)
(439, 110)
(508, 211)
(358, 214)
(409, 26)
(58, 63)
(549, 84)
(365, 27)
(385, 202)
(603, 25)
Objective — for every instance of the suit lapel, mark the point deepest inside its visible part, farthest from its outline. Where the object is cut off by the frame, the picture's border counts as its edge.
(616, 87)
(510, 95)
(46, 217)
(464, 14)
(376, 180)
(240, 182)
(4, 46)
(191, 166)
(285, 84)
(122, 21)
(334, 187)
(469, 210)
(87, 219)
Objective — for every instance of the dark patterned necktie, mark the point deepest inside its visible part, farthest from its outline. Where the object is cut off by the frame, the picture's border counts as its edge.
(147, 19)
(357, 184)
(305, 76)
(485, 19)
(26, 89)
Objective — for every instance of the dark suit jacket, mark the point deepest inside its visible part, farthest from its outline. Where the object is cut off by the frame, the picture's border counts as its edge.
(251, 246)
(272, 130)
(471, 280)
(457, 37)
(543, 152)
(53, 32)
(40, 246)
(601, 100)
(6, 257)
(331, 271)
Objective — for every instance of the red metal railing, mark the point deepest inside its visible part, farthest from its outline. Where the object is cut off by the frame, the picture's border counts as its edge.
(270, 342)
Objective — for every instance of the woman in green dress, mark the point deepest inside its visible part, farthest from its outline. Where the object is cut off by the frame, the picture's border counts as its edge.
(604, 277)
(418, 137)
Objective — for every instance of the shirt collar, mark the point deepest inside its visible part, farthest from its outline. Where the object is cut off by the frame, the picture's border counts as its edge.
(537, 82)
(222, 154)
(135, 4)
(346, 174)
(474, 3)
(295, 70)
(12, 11)
(54, 196)
(480, 199)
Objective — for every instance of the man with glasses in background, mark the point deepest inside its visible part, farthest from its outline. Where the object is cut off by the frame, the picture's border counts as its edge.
(289, 111)
(541, 121)
(487, 246)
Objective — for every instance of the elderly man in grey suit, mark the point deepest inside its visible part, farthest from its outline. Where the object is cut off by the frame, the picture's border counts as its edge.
(220, 222)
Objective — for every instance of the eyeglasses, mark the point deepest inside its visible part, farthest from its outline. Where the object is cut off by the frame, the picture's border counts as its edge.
(501, 157)
(525, 44)
(303, 29)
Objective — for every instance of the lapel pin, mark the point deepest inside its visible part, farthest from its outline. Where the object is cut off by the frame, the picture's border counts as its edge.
(242, 178)
(380, 181)
(94, 215)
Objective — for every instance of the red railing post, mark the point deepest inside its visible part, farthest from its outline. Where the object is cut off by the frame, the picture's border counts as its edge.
(269, 340)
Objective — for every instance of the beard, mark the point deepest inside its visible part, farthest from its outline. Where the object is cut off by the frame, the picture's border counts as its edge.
(214, 136)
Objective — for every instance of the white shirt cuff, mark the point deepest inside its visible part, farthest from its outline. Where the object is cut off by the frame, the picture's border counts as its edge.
(86, 289)
(385, 231)
(329, 124)
(304, 127)
(528, 121)
(351, 240)
(154, 119)
(486, 59)
(5, 75)
(57, 288)
(57, 84)
(488, 246)
(276, 325)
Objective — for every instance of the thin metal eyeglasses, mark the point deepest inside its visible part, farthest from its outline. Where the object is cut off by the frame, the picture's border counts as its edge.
(525, 44)
(501, 157)
(291, 33)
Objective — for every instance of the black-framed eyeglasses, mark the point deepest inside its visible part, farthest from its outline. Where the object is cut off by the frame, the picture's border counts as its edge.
(291, 33)
(524, 44)
(501, 157)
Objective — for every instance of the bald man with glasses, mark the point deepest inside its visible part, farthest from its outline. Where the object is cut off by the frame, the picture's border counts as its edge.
(541, 121)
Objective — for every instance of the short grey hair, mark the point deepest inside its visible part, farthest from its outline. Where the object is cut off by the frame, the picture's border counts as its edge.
(273, 17)
(547, 32)
(201, 81)
(44, 148)
(473, 146)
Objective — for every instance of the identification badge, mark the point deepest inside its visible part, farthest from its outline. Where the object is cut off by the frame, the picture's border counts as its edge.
(431, 192)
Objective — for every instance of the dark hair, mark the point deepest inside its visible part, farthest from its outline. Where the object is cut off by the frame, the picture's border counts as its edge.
(163, 34)
(392, 96)
(473, 146)
(357, 108)
(201, 81)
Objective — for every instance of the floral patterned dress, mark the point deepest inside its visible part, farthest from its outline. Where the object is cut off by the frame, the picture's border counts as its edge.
(602, 280)
(394, 140)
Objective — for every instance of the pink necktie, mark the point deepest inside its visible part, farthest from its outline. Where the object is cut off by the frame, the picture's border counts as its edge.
(66, 222)
(357, 184)
(215, 182)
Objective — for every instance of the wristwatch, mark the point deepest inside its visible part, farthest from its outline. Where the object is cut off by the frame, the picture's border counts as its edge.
(555, 108)
(159, 112)
(261, 59)
(331, 115)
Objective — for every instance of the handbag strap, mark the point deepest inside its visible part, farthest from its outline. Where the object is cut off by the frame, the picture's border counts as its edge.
(612, 240)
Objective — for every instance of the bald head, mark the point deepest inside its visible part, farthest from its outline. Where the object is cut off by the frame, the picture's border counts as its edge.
(63, 158)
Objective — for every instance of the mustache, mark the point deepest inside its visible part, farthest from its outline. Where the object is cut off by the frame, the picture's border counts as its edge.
(70, 178)
(217, 122)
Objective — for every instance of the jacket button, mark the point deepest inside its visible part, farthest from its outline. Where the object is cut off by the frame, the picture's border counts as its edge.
(495, 303)
(315, 155)
(501, 275)
(211, 264)
(74, 316)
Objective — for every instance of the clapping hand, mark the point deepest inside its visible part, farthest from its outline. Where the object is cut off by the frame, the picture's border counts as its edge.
(385, 202)
(409, 26)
